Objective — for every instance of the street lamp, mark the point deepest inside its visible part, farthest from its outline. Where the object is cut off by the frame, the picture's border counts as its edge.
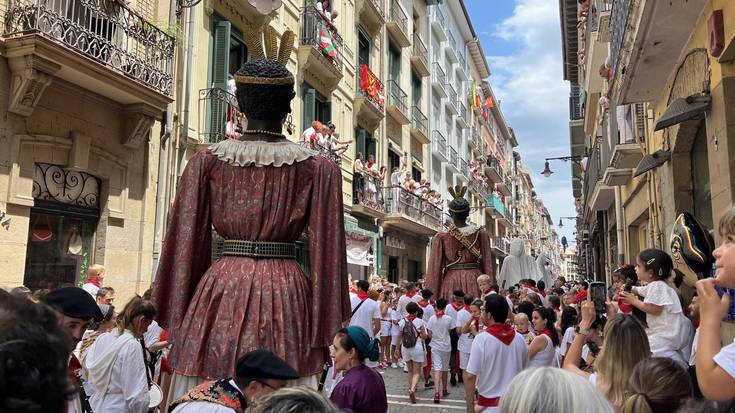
(547, 170)
(561, 224)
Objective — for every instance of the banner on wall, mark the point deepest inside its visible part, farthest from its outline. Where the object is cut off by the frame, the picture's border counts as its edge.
(358, 248)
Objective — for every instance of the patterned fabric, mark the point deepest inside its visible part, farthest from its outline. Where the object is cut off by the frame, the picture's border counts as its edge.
(216, 312)
(446, 249)
(219, 392)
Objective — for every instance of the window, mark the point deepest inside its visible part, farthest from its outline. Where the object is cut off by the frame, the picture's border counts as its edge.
(415, 89)
(363, 48)
(229, 52)
(415, 174)
(394, 62)
(393, 269)
(364, 142)
(413, 270)
(394, 160)
(315, 107)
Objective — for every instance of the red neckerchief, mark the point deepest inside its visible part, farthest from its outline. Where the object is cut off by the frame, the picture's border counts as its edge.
(542, 293)
(74, 366)
(362, 295)
(457, 308)
(411, 317)
(439, 314)
(410, 294)
(467, 308)
(522, 332)
(424, 303)
(547, 332)
(95, 283)
(488, 291)
(557, 309)
(502, 332)
(353, 290)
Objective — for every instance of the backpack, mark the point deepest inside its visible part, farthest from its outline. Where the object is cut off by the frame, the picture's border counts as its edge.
(409, 334)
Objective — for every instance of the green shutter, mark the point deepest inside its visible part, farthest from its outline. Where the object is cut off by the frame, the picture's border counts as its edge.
(360, 141)
(216, 115)
(308, 113)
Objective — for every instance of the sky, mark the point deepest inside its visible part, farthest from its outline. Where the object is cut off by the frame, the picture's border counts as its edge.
(522, 42)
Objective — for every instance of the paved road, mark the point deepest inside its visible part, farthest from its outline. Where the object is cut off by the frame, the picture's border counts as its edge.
(396, 385)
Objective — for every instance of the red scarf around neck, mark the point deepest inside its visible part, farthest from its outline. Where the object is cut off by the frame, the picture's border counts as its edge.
(353, 290)
(457, 307)
(94, 282)
(502, 332)
(411, 317)
(488, 291)
(467, 307)
(410, 294)
(362, 295)
(424, 303)
(547, 332)
(439, 314)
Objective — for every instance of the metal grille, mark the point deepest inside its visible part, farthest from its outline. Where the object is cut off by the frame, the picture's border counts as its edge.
(318, 32)
(439, 143)
(640, 121)
(219, 115)
(398, 97)
(104, 30)
(419, 120)
(618, 26)
(398, 15)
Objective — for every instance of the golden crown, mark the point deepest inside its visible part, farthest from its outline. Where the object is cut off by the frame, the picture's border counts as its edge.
(264, 44)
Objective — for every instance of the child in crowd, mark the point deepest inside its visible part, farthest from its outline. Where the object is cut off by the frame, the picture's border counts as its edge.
(439, 327)
(669, 332)
(522, 324)
(411, 335)
(386, 323)
(395, 346)
(484, 282)
(467, 322)
(715, 365)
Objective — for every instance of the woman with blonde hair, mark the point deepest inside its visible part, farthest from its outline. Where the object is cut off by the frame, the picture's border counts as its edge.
(115, 363)
(551, 390)
(624, 345)
(657, 385)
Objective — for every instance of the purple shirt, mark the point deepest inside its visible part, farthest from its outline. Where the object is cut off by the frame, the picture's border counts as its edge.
(362, 390)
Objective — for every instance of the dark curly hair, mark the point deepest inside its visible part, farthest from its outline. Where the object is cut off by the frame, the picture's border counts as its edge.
(34, 350)
(264, 102)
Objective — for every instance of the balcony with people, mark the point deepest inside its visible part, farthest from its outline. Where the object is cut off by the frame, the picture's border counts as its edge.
(368, 189)
(102, 46)
(495, 208)
(325, 139)
(413, 206)
(369, 97)
(219, 116)
(321, 48)
(478, 182)
(493, 169)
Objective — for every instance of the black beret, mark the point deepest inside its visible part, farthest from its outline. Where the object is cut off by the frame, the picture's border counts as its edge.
(263, 364)
(74, 302)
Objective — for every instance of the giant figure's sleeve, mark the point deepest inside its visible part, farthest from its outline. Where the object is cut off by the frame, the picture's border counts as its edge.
(186, 254)
(488, 260)
(433, 277)
(330, 303)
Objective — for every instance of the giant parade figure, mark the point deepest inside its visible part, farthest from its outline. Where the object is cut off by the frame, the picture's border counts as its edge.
(260, 193)
(461, 254)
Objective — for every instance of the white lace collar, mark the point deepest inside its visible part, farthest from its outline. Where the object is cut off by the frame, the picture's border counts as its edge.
(469, 229)
(260, 153)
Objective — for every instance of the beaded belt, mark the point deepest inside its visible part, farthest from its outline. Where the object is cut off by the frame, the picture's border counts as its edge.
(467, 266)
(258, 249)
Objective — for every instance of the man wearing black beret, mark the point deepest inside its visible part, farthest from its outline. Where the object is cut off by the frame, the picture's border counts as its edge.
(77, 309)
(258, 373)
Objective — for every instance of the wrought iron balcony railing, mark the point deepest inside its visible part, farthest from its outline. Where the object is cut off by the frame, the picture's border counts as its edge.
(321, 34)
(398, 15)
(575, 111)
(500, 244)
(415, 207)
(463, 111)
(106, 31)
(452, 42)
(398, 97)
(419, 120)
(219, 116)
(370, 87)
(479, 187)
(437, 74)
(452, 96)
(439, 16)
(419, 49)
(438, 143)
(618, 23)
(370, 192)
(464, 168)
(454, 157)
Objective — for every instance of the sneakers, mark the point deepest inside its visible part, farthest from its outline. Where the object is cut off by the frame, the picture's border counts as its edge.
(394, 365)
(405, 368)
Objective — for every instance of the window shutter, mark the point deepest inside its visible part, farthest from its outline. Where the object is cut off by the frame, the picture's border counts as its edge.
(216, 110)
(639, 120)
(327, 112)
(360, 141)
(308, 114)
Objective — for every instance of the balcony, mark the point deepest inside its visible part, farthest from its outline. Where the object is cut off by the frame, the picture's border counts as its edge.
(411, 213)
(420, 56)
(462, 68)
(397, 24)
(369, 198)
(453, 160)
(464, 169)
(419, 125)
(575, 111)
(371, 14)
(451, 48)
(504, 186)
(476, 142)
(439, 23)
(439, 80)
(478, 187)
(439, 145)
(398, 103)
(494, 205)
(320, 54)
(452, 99)
(493, 170)
(463, 119)
(102, 47)
(653, 48)
(369, 98)
(219, 116)
(500, 246)
(626, 156)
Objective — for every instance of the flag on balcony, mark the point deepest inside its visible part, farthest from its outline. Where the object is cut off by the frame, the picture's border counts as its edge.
(326, 41)
(489, 103)
(370, 84)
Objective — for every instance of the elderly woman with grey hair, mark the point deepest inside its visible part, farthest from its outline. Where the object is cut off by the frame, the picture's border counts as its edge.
(551, 390)
(298, 399)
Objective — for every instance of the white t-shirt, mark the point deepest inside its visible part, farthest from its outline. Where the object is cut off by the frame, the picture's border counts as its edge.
(417, 322)
(91, 289)
(395, 316)
(402, 303)
(566, 341)
(666, 331)
(496, 364)
(465, 340)
(693, 354)
(440, 327)
(726, 359)
(416, 298)
(451, 312)
(364, 316)
(428, 312)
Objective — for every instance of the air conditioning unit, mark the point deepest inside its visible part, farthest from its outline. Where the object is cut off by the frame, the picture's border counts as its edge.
(604, 34)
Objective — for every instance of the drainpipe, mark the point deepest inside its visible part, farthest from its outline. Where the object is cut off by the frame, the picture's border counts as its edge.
(184, 135)
(620, 223)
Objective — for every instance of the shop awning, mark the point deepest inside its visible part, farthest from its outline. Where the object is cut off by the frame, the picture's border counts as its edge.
(683, 109)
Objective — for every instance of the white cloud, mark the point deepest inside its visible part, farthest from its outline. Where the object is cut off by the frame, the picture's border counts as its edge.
(529, 84)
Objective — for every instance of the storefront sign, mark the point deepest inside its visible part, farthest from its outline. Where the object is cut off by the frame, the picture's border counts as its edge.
(358, 248)
(394, 242)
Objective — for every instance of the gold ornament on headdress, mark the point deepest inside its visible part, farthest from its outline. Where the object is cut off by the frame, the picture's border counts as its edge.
(458, 191)
(256, 39)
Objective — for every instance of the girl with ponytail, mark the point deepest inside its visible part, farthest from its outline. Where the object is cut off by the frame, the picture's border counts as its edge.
(657, 385)
(362, 389)
(669, 331)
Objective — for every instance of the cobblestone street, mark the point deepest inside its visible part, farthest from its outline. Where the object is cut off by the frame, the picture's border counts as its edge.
(396, 384)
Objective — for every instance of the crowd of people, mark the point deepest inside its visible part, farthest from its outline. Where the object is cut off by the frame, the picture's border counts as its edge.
(529, 348)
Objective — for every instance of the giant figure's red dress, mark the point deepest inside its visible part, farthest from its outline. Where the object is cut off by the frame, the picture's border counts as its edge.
(218, 311)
